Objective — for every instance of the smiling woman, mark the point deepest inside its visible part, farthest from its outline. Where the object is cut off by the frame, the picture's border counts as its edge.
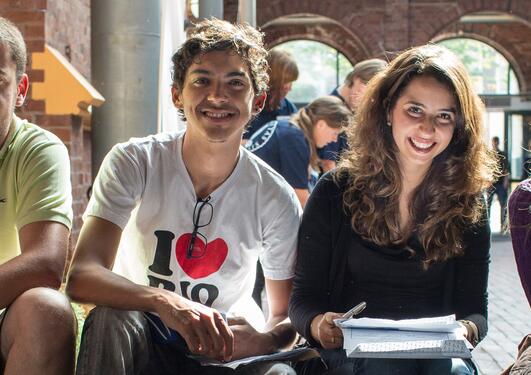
(401, 224)
(422, 122)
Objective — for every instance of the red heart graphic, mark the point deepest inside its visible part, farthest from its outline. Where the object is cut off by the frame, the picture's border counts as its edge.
(206, 260)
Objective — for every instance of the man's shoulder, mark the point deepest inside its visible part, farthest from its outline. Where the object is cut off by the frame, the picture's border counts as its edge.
(159, 140)
(160, 143)
(266, 187)
(28, 134)
(31, 142)
(258, 170)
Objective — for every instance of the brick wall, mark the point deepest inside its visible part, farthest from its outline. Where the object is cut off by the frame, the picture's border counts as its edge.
(59, 23)
(372, 28)
(29, 18)
(334, 35)
(67, 29)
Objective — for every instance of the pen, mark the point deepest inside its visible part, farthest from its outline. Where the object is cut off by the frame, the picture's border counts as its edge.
(355, 310)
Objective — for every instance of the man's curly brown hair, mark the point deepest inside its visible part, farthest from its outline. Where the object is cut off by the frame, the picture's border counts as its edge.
(218, 35)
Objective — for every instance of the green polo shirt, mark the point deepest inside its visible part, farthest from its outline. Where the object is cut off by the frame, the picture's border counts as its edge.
(34, 183)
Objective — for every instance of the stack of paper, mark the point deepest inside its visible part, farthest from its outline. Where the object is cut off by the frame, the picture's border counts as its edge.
(412, 338)
(294, 355)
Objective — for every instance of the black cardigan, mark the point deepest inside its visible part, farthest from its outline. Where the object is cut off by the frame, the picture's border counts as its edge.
(324, 235)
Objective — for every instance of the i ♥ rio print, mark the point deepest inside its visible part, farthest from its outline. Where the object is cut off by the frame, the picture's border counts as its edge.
(212, 256)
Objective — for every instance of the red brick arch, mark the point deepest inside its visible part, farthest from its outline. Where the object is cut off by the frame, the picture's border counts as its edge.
(519, 8)
(377, 27)
(510, 39)
(346, 15)
(332, 34)
(499, 48)
(428, 20)
(268, 10)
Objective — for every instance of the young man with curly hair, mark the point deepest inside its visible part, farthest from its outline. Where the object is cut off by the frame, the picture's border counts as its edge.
(181, 219)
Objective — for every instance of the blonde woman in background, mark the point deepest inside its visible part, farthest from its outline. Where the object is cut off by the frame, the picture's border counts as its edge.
(290, 146)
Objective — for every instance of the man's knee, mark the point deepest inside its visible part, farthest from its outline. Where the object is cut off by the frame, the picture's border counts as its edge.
(40, 315)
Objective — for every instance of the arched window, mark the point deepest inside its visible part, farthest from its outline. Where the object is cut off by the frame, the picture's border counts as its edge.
(321, 69)
(490, 71)
(494, 79)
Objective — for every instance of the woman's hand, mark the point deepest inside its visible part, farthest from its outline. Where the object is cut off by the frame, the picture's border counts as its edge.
(469, 330)
(462, 330)
(325, 331)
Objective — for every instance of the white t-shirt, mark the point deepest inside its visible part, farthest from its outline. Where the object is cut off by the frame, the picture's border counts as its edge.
(144, 188)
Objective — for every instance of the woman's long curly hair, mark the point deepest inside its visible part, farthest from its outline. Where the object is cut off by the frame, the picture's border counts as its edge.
(449, 199)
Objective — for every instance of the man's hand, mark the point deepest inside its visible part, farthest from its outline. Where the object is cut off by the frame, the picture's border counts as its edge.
(248, 342)
(204, 329)
(91, 280)
(326, 332)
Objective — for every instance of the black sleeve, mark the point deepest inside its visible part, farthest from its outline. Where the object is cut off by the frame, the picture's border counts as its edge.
(311, 291)
(471, 277)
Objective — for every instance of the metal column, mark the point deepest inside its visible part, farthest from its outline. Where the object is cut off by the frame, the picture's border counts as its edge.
(210, 8)
(125, 69)
(247, 12)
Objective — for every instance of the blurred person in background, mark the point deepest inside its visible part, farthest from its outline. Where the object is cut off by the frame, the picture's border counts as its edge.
(290, 147)
(351, 92)
(282, 72)
(500, 186)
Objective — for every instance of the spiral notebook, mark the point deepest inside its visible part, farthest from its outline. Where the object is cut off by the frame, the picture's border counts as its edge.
(437, 337)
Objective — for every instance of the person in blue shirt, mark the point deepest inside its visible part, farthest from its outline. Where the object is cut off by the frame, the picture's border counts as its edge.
(283, 72)
(350, 92)
(290, 147)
